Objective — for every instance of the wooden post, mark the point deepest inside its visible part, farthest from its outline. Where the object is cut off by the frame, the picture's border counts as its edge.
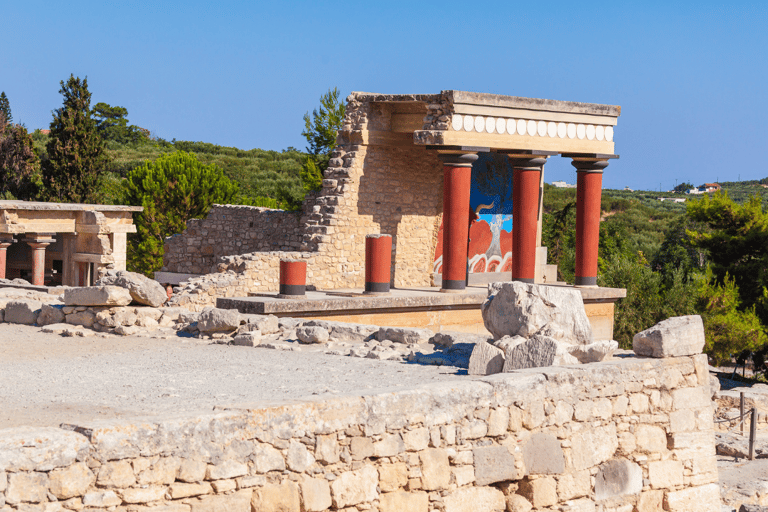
(741, 410)
(752, 433)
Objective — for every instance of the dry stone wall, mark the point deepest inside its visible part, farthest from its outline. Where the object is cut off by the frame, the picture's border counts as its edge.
(631, 434)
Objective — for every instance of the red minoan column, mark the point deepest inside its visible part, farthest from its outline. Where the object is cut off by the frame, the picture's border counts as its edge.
(38, 243)
(457, 183)
(293, 277)
(589, 185)
(378, 262)
(5, 243)
(525, 215)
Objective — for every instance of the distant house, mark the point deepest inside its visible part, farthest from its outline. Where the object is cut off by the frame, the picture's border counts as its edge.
(673, 199)
(562, 184)
(629, 189)
(45, 132)
(705, 188)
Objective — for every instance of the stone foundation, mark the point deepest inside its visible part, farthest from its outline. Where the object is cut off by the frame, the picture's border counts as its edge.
(630, 434)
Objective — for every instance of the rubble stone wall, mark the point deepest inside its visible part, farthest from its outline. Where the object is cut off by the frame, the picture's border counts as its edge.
(630, 434)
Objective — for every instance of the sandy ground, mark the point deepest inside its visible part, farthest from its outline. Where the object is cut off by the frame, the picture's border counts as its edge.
(48, 379)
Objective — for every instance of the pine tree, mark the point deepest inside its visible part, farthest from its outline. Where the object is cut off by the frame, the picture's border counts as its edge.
(320, 131)
(77, 154)
(5, 108)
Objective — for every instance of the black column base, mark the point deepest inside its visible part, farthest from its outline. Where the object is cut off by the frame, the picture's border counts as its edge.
(377, 287)
(585, 281)
(293, 289)
(454, 284)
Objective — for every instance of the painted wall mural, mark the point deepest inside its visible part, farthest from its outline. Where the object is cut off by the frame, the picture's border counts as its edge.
(490, 234)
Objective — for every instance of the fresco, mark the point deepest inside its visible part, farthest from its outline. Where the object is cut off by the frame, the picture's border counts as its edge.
(490, 234)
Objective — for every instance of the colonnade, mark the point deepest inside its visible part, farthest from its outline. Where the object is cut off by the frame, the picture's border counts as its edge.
(37, 242)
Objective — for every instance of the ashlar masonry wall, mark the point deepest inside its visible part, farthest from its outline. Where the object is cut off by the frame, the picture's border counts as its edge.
(630, 434)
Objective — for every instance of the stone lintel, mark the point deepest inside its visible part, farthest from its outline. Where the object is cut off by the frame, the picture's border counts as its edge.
(499, 100)
(72, 207)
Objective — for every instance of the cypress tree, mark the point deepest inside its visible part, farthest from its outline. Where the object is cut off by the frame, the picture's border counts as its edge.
(5, 108)
(19, 165)
(77, 154)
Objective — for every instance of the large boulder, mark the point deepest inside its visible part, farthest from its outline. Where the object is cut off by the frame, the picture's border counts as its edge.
(524, 309)
(50, 314)
(97, 296)
(674, 337)
(143, 289)
(537, 352)
(485, 359)
(218, 320)
(22, 311)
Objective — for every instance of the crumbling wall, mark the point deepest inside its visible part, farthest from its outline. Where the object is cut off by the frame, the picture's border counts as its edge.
(630, 434)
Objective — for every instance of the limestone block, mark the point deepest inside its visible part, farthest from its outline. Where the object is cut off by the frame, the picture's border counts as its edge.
(416, 440)
(97, 296)
(361, 448)
(617, 478)
(494, 464)
(498, 421)
(29, 487)
(447, 339)
(541, 492)
(142, 289)
(277, 497)
(705, 498)
(517, 503)
(507, 343)
(39, 449)
(84, 318)
(266, 458)
(485, 359)
(574, 485)
(101, 499)
(704, 470)
(404, 335)
(587, 505)
(389, 446)
(265, 324)
(594, 352)
(665, 474)
(463, 475)
(475, 499)
(593, 446)
(181, 490)
(650, 501)
(392, 477)
(227, 469)
(435, 470)
(538, 351)
(244, 482)
(222, 486)
(682, 421)
(218, 320)
(312, 334)
(143, 494)
(674, 337)
(117, 474)
(326, 449)
(50, 314)
(315, 494)
(3, 481)
(691, 398)
(543, 455)
(239, 501)
(247, 339)
(524, 309)
(402, 501)
(354, 333)
(354, 487)
(70, 482)
(298, 457)
(22, 311)
(650, 439)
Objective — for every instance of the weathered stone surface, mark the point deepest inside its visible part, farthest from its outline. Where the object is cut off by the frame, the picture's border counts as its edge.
(361, 448)
(574, 485)
(537, 352)
(752, 508)
(101, 499)
(181, 490)
(353, 487)
(312, 334)
(541, 492)
(247, 339)
(70, 482)
(543, 455)
(340, 331)
(84, 318)
(39, 448)
(97, 296)
(393, 476)
(265, 324)
(315, 494)
(50, 314)
(435, 470)
(486, 359)
(226, 469)
(142, 289)
(517, 503)
(218, 320)
(389, 446)
(507, 343)
(326, 449)
(27, 488)
(650, 501)
(148, 494)
(673, 337)
(404, 335)
(239, 501)
(665, 474)
(475, 499)
(117, 474)
(416, 440)
(404, 501)
(594, 352)
(524, 309)
(266, 458)
(22, 311)
(618, 478)
(494, 464)
(277, 498)
(299, 458)
(447, 339)
(594, 446)
(701, 499)
(650, 439)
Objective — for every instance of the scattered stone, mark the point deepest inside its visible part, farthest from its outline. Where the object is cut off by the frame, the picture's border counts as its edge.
(312, 334)
(674, 337)
(525, 309)
(84, 318)
(97, 296)
(218, 320)
(22, 311)
(247, 339)
(594, 352)
(126, 330)
(507, 343)
(448, 338)
(50, 314)
(404, 335)
(265, 324)
(486, 360)
(142, 289)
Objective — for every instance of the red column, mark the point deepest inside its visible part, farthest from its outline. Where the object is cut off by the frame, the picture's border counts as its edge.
(525, 215)
(457, 182)
(589, 185)
(293, 277)
(38, 244)
(378, 263)
(4, 244)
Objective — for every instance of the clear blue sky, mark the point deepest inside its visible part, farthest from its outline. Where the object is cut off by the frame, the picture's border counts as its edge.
(690, 77)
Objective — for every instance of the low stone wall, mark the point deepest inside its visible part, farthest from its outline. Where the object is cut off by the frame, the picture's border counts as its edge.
(630, 434)
(230, 230)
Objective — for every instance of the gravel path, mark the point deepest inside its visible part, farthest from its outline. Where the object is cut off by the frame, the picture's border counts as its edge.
(48, 379)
